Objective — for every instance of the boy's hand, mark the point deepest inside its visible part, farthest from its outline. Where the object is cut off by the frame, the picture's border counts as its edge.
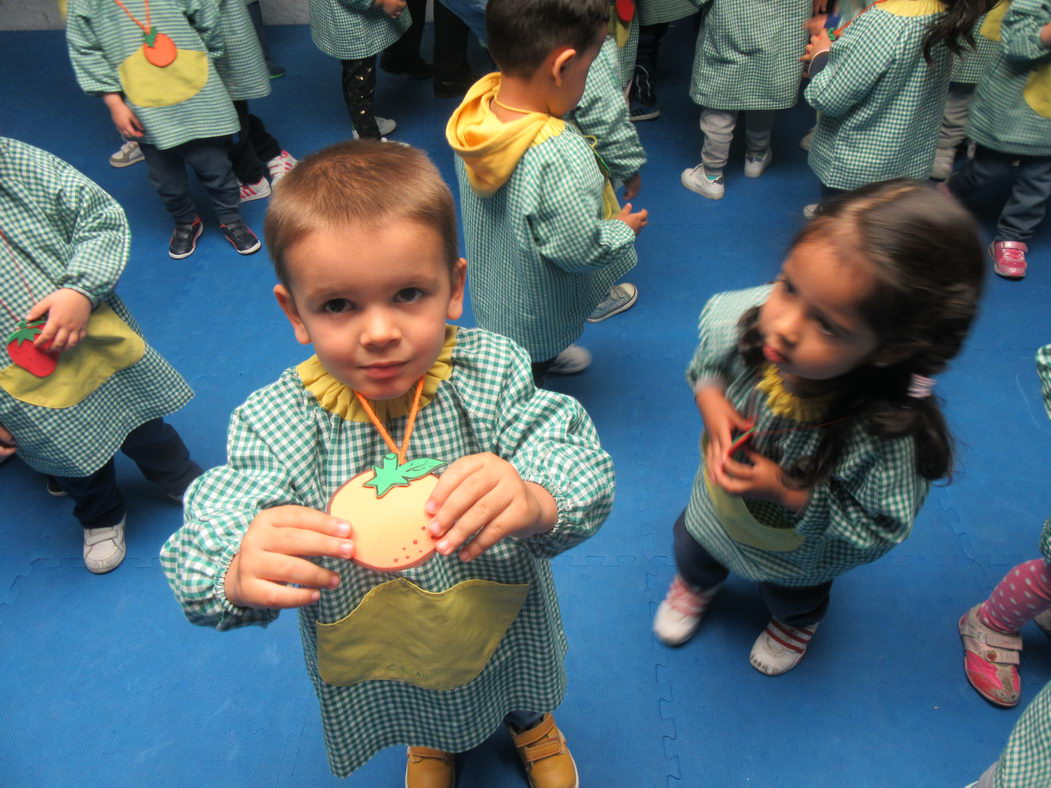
(483, 496)
(1045, 35)
(392, 8)
(127, 123)
(819, 42)
(720, 419)
(7, 443)
(269, 558)
(67, 319)
(632, 186)
(636, 221)
(762, 480)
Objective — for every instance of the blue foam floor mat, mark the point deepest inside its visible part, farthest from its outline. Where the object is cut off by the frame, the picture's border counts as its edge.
(105, 683)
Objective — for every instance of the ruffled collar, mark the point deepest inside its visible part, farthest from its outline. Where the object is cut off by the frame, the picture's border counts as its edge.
(784, 403)
(339, 399)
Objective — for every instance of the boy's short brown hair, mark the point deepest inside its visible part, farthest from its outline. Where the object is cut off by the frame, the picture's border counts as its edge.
(520, 34)
(358, 181)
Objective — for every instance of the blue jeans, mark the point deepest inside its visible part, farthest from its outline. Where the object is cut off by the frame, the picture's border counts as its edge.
(796, 606)
(210, 159)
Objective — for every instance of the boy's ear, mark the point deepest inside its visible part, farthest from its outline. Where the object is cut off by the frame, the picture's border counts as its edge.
(455, 310)
(559, 63)
(288, 306)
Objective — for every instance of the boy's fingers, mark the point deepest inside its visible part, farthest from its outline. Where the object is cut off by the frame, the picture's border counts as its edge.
(305, 518)
(300, 571)
(299, 541)
(478, 518)
(466, 503)
(486, 538)
(449, 481)
(266, 594)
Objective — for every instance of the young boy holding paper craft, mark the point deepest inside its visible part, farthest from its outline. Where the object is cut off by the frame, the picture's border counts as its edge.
(442, 653)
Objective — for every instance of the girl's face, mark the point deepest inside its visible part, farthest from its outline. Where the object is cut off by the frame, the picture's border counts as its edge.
(373, 301)
(810, 325)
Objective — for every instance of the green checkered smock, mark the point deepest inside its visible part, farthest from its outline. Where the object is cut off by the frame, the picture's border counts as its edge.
(285, 449)
(880, 104)
(863, 510)
(655, 12)
(354, 29)
(747, 54)
(1043, 371)
(603, 114)
(626, 54)
(968, 67)
(1001, 118)
(1026, 761)
(242, 65)
(541, 253)
(65, 231)
(100, 37)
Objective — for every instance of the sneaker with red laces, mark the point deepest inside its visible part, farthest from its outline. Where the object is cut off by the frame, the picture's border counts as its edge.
(241, 237)
(679, 615)
(281, 165)
(779, 647)
(1008, 258)
(255, 191)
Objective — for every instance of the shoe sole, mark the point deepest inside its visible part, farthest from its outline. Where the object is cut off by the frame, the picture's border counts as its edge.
(623, 308)
(193, 245)
(645, 116)
(253, 250)
(687, 185)
(258, 196)
(124, 164)
(754, 174)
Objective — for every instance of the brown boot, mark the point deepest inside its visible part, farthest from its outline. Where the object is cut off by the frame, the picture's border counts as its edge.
(545, 756)
(427, 768)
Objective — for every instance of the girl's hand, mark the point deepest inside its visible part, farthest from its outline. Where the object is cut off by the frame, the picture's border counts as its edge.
(762, 480)
(127, 123)
(7, 443)
(819, 42)
(632, 186)
(482, 496)
(636, 221)
(67, 319)
(270, 558)
(721, 420)
(392, 8)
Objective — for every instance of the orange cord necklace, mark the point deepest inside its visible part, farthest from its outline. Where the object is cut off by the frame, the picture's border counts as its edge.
(398, 450)
(159, 49)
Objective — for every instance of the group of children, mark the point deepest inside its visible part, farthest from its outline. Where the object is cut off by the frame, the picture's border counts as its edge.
(821, 432)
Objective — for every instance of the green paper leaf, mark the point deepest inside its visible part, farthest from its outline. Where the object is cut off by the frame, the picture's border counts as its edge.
(26, 332)
(150, 37)
(420, 467)
(389, 474)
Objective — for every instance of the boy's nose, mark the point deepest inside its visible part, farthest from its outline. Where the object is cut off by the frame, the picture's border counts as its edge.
(380, 329)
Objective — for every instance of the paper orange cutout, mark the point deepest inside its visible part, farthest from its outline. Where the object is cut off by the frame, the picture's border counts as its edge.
(389, 533)
(162, 52)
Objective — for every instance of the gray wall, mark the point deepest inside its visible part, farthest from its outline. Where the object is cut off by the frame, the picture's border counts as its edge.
(44, 14)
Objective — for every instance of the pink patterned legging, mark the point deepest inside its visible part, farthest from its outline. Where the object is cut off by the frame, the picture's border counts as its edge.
(1023, 594)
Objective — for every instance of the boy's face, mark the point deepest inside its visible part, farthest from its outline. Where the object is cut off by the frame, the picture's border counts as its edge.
(373, 301)
(571, 75)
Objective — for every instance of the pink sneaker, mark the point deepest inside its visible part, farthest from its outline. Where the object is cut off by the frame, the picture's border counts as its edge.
(991, 659)
(255, 191)
(281, 165)
(679, 615)
(1008, 258)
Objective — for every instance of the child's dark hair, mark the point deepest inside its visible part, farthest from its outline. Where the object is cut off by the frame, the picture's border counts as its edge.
(521, 33)
(956, 26)
(924, 251)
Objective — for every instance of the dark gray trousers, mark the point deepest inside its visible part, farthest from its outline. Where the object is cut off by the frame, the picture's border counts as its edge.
(210, 159)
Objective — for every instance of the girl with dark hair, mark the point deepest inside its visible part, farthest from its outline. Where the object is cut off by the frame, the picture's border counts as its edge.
(821, 435)
(880, 89)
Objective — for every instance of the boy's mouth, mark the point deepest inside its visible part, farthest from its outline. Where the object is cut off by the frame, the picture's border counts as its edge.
(383, 370)
(773, 356)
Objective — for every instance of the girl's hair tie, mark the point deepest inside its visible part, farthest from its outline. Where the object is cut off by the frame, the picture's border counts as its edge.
(920, 386)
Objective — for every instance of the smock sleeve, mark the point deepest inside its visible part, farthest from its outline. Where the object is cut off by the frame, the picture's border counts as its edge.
(718, 328)
(856, 63)
(204, 17)
(93, 72)
(1043, 371)
(1020, 30)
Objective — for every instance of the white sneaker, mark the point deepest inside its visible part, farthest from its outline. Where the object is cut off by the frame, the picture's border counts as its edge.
(104, 548)
(809, 210)
(808, 138)
(621, 298)
(255, 191)
(570, 361)
(679, 615)
(756, 163)
(943, 161)
(281, 165)
(696, 180)
(385, 125)
(780, 647)
(128, 154)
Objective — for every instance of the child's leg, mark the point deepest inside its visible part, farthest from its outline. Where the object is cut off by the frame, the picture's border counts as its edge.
(1023, 594)
(265, 144)
(452, 72)
(168, 177)
(954, 122)
(986, 166)
(718, 128)
(99, 506)
(359, 92)
(404, 54)
(246, 164)
(759, 129)
(699, 578)
(210, 159)
(162, 456)
(795, 613)
(696, 565)
(1028, 201)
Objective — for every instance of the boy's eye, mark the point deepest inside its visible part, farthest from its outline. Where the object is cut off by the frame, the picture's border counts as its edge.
(786, 285)
(826, 328)
(408, 295)
(336, 306)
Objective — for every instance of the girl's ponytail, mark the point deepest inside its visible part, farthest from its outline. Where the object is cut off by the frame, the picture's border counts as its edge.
(956, 27)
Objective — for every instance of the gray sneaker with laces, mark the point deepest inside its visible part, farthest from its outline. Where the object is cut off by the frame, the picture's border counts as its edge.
(621, 298)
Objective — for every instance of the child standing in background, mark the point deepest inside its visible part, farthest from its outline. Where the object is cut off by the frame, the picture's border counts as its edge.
(355, 32)
(151, 61)
(77, 380)
(1010, 122)
(544, 231)
(440, 655)
(880, 90)
(747, 60)
(827, 374)
(990, 631)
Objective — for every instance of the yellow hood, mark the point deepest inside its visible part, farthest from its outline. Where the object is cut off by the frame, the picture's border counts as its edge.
(490, 148)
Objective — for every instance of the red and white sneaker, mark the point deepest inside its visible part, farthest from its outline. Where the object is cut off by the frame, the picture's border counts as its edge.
(679, 615)
(1008, 258)
(281, 165)
(255, 191)
(780, 647)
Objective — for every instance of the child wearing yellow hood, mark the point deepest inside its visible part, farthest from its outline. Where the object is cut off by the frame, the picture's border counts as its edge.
(543, 229)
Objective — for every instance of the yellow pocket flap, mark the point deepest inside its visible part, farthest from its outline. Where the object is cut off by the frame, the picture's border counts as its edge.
(109, 346)
(399, 632)
(1037, 91)
(150, 86)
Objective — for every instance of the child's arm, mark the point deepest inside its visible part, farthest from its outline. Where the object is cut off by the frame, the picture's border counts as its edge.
(1043, 371)
(1025, 33)
(204, 17)
(546, 481)
(856, 63)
